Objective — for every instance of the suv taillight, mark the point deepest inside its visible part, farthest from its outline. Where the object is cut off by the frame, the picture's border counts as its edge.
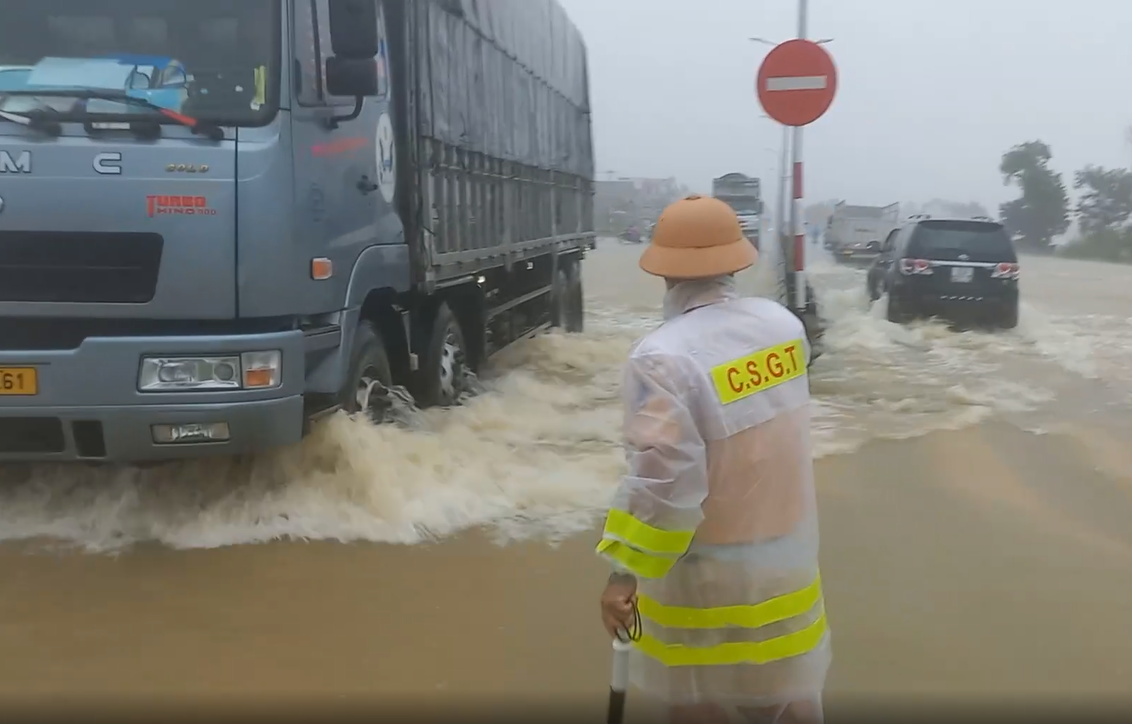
(1006, 270)
(915, 266)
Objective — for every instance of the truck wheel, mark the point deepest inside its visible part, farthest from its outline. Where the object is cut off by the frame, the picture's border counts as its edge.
(560, 299)
(366, 389)
(442, 374)
(575, 300)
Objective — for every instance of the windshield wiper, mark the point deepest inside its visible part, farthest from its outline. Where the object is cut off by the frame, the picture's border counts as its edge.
(37, 121)
(203, 128)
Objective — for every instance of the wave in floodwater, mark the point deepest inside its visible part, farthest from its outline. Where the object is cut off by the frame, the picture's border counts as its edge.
(538, 452)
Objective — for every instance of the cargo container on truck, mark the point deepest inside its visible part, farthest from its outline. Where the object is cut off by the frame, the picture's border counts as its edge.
(221, 219)
(856, 232)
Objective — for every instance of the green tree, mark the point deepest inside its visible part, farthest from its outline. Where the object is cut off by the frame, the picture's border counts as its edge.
(1106, 203)
(1042, 212)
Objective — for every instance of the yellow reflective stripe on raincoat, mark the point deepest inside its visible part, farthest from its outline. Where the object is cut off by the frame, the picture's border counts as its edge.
(771, 611)
(645, 537)
(644, 565)
(731, 654)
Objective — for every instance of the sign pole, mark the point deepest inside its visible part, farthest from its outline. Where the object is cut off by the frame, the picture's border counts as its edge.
(796, 211)
(796, 84)
(781, 235)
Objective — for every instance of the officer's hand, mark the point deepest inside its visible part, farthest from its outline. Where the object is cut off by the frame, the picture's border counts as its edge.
(617, 603)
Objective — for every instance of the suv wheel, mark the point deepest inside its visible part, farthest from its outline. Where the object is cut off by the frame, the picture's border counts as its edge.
(874, 289)
(1008, 317)
(898, 312)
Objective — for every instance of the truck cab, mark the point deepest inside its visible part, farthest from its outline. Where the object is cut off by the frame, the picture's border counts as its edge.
(201, 229)
(742, 193)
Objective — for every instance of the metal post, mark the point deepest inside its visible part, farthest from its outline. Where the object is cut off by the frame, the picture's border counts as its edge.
(796, 218)
(781, 236)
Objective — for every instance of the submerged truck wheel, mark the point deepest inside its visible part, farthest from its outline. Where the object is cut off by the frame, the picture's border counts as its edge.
(443, 380)
(575, 321)
(560, 299)
(366, 389)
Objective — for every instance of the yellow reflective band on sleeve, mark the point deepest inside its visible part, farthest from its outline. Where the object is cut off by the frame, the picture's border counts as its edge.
(641, 564)
(759, 371)
(643, 536)
(760, 652)
(774, 610)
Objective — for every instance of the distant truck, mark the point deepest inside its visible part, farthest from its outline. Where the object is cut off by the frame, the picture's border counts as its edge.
(741, 193)
(856, 232)
(295, 208)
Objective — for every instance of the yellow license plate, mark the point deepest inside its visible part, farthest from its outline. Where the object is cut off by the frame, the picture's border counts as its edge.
(19, 381)
(760, 371)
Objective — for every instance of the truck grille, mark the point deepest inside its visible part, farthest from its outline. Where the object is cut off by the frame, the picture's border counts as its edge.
(83, 267)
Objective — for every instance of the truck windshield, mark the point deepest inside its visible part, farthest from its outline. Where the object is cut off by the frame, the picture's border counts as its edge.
(215, 60)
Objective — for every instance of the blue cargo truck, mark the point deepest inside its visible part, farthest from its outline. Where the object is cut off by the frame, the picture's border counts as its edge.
(222, 219)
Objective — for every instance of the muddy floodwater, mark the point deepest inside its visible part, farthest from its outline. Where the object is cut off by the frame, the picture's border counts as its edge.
(975, 495)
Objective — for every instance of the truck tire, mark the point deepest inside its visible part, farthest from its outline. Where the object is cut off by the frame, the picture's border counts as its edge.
(560, 299)
(369, 376)
(442, 381)
(575, 300)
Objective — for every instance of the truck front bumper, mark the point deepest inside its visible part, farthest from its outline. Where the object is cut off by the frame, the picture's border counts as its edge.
(126, 433)
(87, 405)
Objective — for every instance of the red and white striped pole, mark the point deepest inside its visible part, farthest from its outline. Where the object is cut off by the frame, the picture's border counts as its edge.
(797, 221)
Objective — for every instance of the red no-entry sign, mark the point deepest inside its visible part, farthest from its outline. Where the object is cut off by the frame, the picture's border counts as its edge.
(797, 82)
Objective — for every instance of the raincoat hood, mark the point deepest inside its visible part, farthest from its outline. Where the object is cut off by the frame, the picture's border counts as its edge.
(692, 294)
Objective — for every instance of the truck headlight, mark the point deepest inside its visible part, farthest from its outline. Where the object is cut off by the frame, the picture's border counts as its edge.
(250, 371)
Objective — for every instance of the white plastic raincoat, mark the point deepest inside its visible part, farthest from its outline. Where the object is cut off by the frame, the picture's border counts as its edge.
(717, 515)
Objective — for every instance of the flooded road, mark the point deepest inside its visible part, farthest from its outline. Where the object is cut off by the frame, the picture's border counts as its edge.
(975, 492)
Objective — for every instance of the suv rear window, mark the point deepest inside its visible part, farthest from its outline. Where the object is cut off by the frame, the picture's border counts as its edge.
(946, 240)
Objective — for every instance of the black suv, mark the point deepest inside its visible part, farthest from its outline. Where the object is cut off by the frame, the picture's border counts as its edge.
(950, 268)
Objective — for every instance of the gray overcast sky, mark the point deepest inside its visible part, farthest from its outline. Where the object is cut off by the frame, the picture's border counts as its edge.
(931, 93)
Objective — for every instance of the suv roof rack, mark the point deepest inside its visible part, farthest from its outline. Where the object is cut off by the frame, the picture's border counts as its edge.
(982, 218)
(919, 216)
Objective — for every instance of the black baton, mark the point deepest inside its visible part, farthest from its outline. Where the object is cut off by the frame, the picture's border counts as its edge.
(619, 681)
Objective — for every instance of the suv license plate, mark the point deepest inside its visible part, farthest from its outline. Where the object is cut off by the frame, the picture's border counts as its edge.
(961, 273)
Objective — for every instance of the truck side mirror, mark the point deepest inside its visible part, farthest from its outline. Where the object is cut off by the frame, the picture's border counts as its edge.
(352, 70)
(353, 28)
(351, 77)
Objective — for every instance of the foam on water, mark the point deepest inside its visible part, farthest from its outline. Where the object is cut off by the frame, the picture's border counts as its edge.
(539, 451)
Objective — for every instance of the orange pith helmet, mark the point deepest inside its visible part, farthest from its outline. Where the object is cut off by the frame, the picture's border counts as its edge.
(695, 238)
